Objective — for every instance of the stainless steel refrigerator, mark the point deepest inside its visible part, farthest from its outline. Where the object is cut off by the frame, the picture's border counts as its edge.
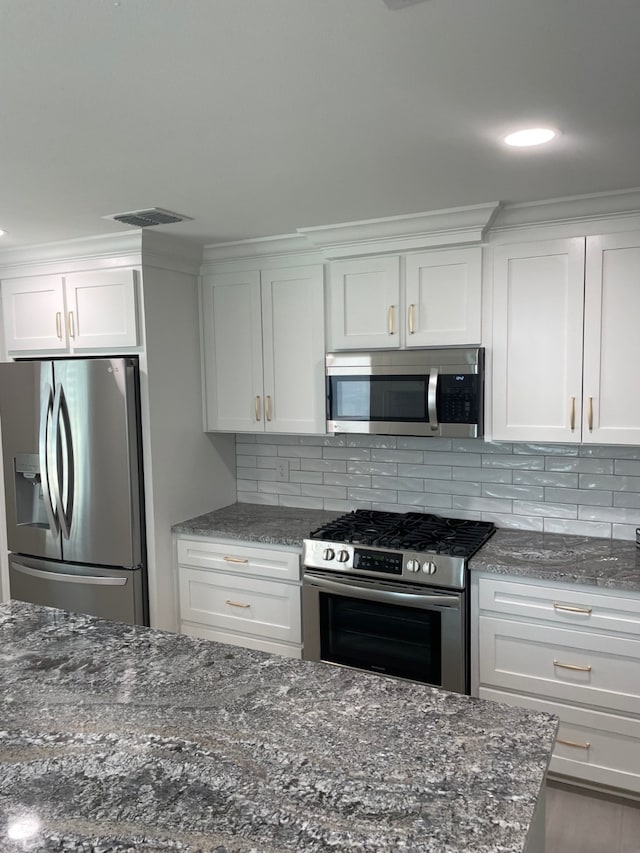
(71, 445)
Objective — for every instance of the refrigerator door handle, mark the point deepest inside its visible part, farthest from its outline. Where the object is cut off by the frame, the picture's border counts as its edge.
(45, 418)
(63, 482)
(55, 576)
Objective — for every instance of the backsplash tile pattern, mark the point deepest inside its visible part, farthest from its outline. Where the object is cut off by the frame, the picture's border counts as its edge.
(587, 490)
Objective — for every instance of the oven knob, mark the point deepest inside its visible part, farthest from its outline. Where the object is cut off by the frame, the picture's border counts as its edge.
(343, 556)
(328, 554)
(429, 568)
(413, 566)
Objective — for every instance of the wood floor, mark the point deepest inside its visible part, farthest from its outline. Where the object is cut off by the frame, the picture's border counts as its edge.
(581, 823)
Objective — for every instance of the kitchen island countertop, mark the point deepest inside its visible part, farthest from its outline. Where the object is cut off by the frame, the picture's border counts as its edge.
(116, 738)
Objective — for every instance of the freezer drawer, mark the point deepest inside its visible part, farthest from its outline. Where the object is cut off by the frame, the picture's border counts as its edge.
(110, 593)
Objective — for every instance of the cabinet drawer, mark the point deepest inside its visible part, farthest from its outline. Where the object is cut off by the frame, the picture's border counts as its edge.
(575, 607)
(245, 641)
(260, 607)
(612, 756)
(239, 559)
(570, 665)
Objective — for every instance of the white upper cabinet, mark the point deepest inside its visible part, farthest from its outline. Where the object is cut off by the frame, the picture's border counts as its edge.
(76, 312)
(33, 312)
(263, 350)
(443, 298)
(565, 342)
(611, 340)
(364, 303)
(437, 302)
(537, 341)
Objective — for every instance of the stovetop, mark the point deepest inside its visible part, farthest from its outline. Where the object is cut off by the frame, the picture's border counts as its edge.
(413, 547)
(410, 531)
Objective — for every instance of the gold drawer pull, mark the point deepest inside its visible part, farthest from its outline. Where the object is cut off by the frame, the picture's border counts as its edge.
(412, 329)
(574, 743)
(236, 603)
(573, 414)
(571, 609)
(59, 324)
(573, 666)
(257, 407)
(390, 319)
(236, 560)
(71, 326)
(590, 418)
(267, 407)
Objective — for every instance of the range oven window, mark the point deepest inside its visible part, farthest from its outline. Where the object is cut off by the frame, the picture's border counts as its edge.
(378, 398)
(400, 641)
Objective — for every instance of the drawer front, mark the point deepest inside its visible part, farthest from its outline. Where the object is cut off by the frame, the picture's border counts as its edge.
(603, 749)
(239, 559)
(576, 607)
(574, 666)
(263, 608)
(245, 641)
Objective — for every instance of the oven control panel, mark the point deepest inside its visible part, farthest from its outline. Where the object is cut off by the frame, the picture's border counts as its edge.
(430, 569)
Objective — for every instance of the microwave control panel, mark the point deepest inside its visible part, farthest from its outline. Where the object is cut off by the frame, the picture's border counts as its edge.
(458, 398)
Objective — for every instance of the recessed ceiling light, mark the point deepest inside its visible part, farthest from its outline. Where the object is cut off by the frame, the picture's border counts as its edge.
(531, 136)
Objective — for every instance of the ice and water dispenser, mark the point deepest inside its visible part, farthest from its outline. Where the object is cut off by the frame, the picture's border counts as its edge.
(30, 506)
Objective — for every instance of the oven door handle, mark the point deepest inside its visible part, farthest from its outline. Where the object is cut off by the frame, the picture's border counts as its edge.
(423, 601)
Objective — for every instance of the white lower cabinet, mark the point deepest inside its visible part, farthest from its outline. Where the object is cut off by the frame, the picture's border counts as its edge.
(240, 594)
(573, 651)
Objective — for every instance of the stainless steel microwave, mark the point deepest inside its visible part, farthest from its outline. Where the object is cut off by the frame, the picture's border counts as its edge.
(432, 392)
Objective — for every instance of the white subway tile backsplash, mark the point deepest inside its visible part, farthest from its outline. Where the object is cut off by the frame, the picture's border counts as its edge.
(579, 464)
(408, 484)
(520, 493)
(579, 496)
(588, 490)
(396, 456)
(577, 528)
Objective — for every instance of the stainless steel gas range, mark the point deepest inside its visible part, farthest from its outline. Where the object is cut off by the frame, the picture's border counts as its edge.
(387, 592)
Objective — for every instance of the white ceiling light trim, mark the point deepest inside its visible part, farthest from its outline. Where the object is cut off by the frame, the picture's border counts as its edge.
(529, 136)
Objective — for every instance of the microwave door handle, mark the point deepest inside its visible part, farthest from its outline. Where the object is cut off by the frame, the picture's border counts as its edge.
(432, 391)
(422, 601)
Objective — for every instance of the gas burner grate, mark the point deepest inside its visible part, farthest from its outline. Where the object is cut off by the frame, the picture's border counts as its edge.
(411, 531)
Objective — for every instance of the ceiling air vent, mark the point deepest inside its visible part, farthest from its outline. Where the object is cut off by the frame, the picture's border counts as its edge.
(146, 218)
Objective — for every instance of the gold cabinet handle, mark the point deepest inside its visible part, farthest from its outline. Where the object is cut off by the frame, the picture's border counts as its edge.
(235, 560)
(267, 407)
(572, 416)
(574, 666)
(574, 743)
(59, 324)
(257, 407)
(571, 608)
(412, 329)
(71, 325)
(590, 416)
(236, 603)
(390, 318)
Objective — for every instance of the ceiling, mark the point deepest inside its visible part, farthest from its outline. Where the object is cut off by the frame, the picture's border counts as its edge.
(256, 117)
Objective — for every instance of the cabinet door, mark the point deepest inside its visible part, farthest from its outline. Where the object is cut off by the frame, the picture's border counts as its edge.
(538, 296)
(611, 340)
(232, 352)
(443, 298)
(364, 304)
(293, 328)
(101, 309)
(33, 313)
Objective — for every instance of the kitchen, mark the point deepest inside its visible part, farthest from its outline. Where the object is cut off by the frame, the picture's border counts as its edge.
(527, 483)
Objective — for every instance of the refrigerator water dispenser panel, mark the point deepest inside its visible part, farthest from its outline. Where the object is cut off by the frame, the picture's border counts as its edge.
(30, 507)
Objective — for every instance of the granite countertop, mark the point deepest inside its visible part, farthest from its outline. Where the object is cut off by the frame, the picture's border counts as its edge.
(611, 563)
(273, 525)
(120, 738)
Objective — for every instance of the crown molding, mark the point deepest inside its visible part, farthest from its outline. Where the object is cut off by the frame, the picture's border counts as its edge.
(454, 226)
(570, 209)
(279, 245)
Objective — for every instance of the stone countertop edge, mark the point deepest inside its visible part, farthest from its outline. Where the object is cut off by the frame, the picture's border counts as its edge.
(270, 525)
(118, 737)
(607, 563)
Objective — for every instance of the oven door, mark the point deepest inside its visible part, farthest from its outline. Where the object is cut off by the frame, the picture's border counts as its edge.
(397, 629)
